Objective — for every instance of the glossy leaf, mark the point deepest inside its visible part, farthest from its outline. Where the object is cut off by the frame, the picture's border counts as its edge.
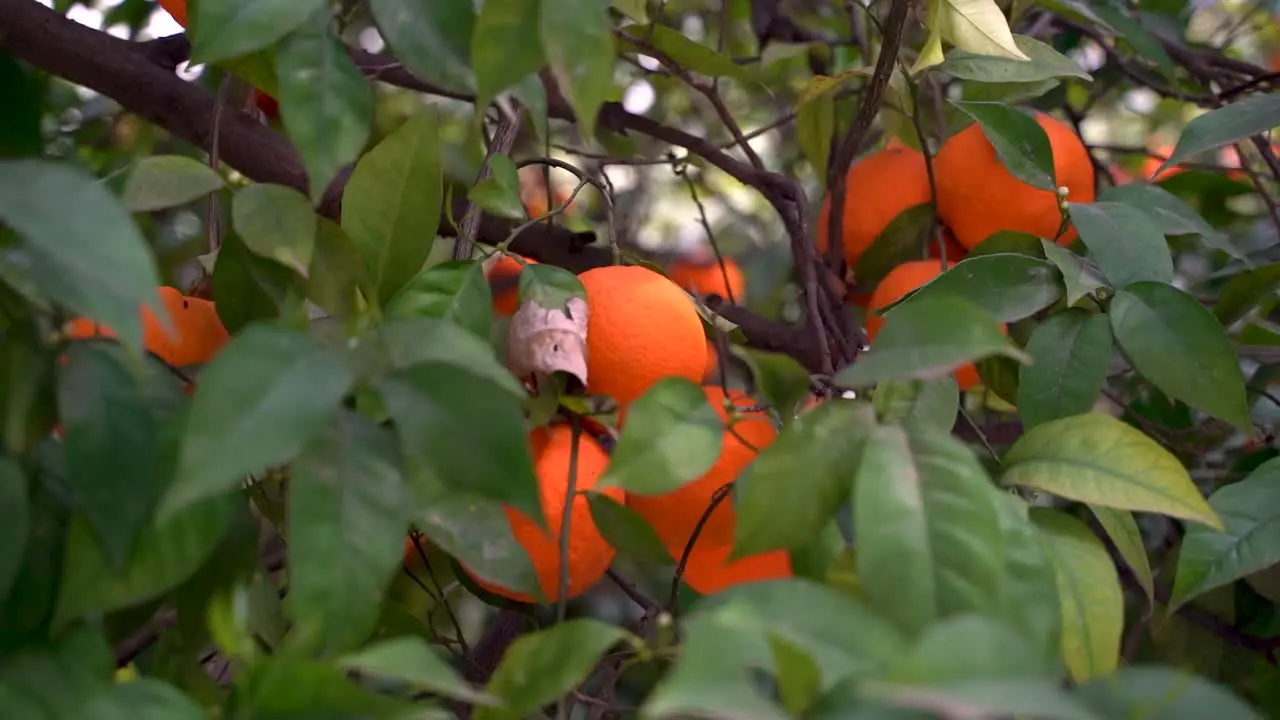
(1044, 63)
(225, 29)
(1080, 276)
(262, 398)
(1019, 141)
(1125, 534)
(158, 182)
(431, 37)
(1100, 460)
(1089, 592)
(1009, 286)
(276, 222)
(502, 51)
(1126, 243)
(1070, 352)
(1250, 115)
(413, 661)
(391, 205)
(1177, 344)
(15, 522)
(1244, 291)
(453, 291)
(672, 436)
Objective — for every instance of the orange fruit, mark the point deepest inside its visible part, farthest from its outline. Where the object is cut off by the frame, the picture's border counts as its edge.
(712, 373)
(978, 197)
(267, 104)
(707, 278)
(900, 281)
(642, 328)
(176, 8)
(533, 193)
(1152, 163)
(196, 335)
(708, 570)
(589, 554)
(503, 276)
(675, 514)
(878, 188)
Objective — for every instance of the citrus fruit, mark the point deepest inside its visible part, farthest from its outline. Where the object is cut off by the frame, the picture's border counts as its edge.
(176, 8)
(642, 328)
(675, 514)
(269, 106)
(707, 278)
(878, 188)
(709, 570)
(900, 281)
(195, 336)
(503, 275)
(1153, 162)
(712, 372)
(589, 554)
(978, 197)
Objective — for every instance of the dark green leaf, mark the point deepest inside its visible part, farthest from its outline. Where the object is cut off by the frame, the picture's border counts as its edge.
(27, 614)
(142, 699)
(474, 530)
(456, 291)
(248, 287)
(334, 273)
(287, 687)
(403, 343)
(59, 674)
(349, 508)
(1045, 63)
(431, 37)
(1008, 93)
(541, 667)
(15, 522)
(1070, 354)
(21, 96)
(549, 286)
(927, 339)
(795, 485)
(1162, 692)
(930, 402)
(672, 436)
(1172, 215)
(261, 399)
(1177, 344)
(1019, 141)
(1126, 243)
(164, 181)
(1010, 287)
(224, 29)
(900, 241)
(533, 95)
(326, 104)
(1250, 115)
(276, 222)
(625, 530)
(577, 39)
(1245, 290)
(503, 52)
(778, 378)
(688, 54)
(411, 660)
(94, 261)
(1080, 276)
(391, 205)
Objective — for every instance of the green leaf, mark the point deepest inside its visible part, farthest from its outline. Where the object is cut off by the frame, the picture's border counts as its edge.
(456, 291)
(1071, 352)
(577, 38)
(997, 698)
(94, 261)
(626, 531)
(899, 242)
(288, 686)
(1127, 537)
(975, 25)
(57, 676)
(1248, 542)
(1171, 214)
(1100, 460)
(1009, 241)
(1177, 344)
(1045, 63)
(672, 437)
(1019, 141)
(928, 402)
(334, 273)
(549, 286)
(248, 287)
(1162, 692)
(815, 123)
(15, 522)
(1244, 291)
(412, 661)
(795, 485)
(20, 133)
(168, 552)
(391, 205)
(779, 379)
(969, 647)
(927, 339)
(224, 29)
(1009, 286)
(259, 402)
(502, 51)
(276, 222)
(1089, 592)
(326, 104)
(1080, 276)
(1009, 93)
(121, 433)
(925, 527)
(349, 508)
(1029, 594)
(464, 430)
(158, 182)
(403, 343)
(499, 193)
(685, 52)
(474, 530)
(431, 37)
(1126, 243)
(540, 667)
(1131, 30)
(1250, 115)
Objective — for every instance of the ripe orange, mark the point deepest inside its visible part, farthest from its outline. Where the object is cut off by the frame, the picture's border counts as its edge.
(533, 193)
(900, 281)
(503, 275)
(675, 514)
(878, 188)
(712, 373)
(642, 328)
(978, 197)
(176, 8)
(709, 571)
(267, 104)
(707, 278)
(1152, 163)
(589, 554)
(197, 333)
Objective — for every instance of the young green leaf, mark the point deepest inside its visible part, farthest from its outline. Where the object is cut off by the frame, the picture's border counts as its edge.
(431, 37)
(1089, 592)
(1095, 458)
(249, 288)
(672, 436)
(413, 661)
(1177, 344)
(1019, 141)
(502, 52)
(1071, 352)
(276, 222)
(391, 205)
(142, 699)
(326, 103)
(456, 291)
(158, 182)
(1045, 63)
(577, 39)
(1250, 115)
(1125, 534)
(224, 29)
(1126, 243)
(1009, 286)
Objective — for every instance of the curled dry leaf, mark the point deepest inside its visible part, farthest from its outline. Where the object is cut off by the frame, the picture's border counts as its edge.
(542, 340)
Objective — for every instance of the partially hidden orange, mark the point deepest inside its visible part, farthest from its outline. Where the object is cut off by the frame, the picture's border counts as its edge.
(709, 570)
(503, 275)
(195, 335)
(878, 188)
(709, 278)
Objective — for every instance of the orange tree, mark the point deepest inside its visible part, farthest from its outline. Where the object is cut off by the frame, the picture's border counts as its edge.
(269, 450)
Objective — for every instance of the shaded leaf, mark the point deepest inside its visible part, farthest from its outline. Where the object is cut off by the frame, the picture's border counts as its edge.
(1126, 243)
(413, 661)
(687, 53)
(1009, 286)
(815, 123)
(778, 378)
(499, 193)
(1029, 593)
(334, 272)
(1244, 291)
(288, 686)
(899, 242)
(431, 37)
(1131, 30)
(1127, 537)
(164, 181)
(456, 291)
(1250, 115)
(577, 38)
(15, 522)
(626, 530)
(549, 286)
(1044, 63)
(502, 53)
(143, 699)
(1163, 692)
(1080, 277)
(276, 222)
(928, 402)
(1070, 352)
(969, 647)
(224, 29)
(671, 437)
(474, 530)
(1019, 141)
(1174, 216)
